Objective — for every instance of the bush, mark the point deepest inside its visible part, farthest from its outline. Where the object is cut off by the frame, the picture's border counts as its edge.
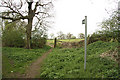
(73, 37)
(38, 41)
(13, 33)
(103, 36)
(12, 39)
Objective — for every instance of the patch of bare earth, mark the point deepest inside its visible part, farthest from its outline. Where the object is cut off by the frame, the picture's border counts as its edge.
(34, 68)
(72, 44)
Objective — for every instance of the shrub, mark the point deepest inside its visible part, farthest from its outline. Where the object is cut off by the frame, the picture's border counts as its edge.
(73, 37)
(38, 41)
(12, 39)
(103, 36)
(13, 33)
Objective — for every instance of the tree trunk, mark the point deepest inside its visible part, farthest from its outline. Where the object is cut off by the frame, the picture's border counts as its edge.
(29, 26)
(28, 30)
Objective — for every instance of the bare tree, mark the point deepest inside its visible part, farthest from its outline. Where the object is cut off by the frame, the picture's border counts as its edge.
(37, 11)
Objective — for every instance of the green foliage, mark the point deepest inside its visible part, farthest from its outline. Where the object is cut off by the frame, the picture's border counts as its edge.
(111, 23)
(81, 36)
(109, 30)
(38, 42)
(13, 39)
(100, 47)
(73, 37)
(16, 60)
(39, 39)
(12, 35)
(69, 63)
(103, 36)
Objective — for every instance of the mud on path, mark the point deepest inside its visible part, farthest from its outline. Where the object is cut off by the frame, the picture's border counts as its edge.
(34, 68)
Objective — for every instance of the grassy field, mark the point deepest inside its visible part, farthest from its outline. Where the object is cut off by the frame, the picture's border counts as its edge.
(71, 40)
(69, 63)
(16, 60)
(64, 40)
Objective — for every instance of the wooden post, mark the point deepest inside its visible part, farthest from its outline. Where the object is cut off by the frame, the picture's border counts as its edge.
(55, 41)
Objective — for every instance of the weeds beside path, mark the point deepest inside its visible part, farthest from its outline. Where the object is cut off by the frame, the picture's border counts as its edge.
(69, 62)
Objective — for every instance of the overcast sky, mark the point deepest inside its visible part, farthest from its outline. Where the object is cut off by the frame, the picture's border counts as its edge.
(70, 13)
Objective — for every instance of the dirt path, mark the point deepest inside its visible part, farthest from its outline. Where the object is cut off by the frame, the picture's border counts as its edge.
(34, 68)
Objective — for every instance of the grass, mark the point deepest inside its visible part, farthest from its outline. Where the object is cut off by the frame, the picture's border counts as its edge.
(64, 40)
(50, 41)
(69, 63)
(71, 40)
(16, 60)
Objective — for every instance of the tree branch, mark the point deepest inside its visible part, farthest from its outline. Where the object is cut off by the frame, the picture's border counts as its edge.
(35, 9)
(14, 19)
(37, 4)
(41, 12)
(12, 7)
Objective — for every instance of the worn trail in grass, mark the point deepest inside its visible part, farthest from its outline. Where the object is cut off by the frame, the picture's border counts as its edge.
(33, 69)
(17, 61)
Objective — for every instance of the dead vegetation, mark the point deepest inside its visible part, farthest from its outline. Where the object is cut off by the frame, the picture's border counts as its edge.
(71, 44)
(112, 54)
